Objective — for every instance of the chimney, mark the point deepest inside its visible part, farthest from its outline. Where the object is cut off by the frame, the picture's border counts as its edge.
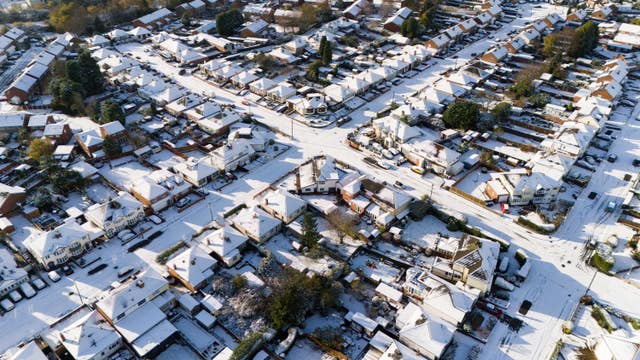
(62, 337)
(193, 261)
(175, 267)
(208, 241)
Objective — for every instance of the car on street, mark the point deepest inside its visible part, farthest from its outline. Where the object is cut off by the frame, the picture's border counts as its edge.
(183, 202)
(53, 276)
(592, 195)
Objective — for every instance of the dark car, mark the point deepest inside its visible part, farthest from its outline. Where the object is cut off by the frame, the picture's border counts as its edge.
(636, 162)
(592, 195)
(67, 270)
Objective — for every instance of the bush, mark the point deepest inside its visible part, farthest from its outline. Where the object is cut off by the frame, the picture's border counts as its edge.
(462, 115)
(600, 263)
(598, 315)
(239, 282)
(247, 346)
(532, 226)
(329, 337)
(635, 324)
(164, 256)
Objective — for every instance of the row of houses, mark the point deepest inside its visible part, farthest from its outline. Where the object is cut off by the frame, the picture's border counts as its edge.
(33, 77)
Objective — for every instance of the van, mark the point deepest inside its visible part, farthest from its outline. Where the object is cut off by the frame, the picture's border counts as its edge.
(418, 170)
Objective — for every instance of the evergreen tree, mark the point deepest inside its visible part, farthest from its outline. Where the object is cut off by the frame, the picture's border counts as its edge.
(310, 234)
(327, 53)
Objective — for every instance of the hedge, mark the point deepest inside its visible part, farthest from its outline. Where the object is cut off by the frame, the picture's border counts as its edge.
(164, 256)
(532, 226)
(601, 264)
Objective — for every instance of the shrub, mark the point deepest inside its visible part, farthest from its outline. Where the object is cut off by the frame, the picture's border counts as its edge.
(247, 346)
(598, 315)
(601, 264)
(239, 282)
(164, 256)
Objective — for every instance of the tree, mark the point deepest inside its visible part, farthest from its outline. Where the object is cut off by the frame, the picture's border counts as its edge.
(308, 17)
(228, 21)
(65, 180)
(409, 28)
(539, 100)
(67, 95)
(40, 148)
(585, 39)
(549, 45)
(501, 112)
(69, 16)
(239, 282)
(323, 44)
(111, 111)
(310, 234)
(327, 53)
(111, 147)
(462, 115)
(313, 71)
(92, 79)
(344, 224)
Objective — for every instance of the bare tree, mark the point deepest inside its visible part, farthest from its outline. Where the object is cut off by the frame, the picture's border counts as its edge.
(343, 223)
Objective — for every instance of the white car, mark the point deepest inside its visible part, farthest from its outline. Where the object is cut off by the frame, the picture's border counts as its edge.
(39, 284)
(124, 233)
(15, 296)
(155, 219)
(27, 290)
(53, 276)
(7, 305)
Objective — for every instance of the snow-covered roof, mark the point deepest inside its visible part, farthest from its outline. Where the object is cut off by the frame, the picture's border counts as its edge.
(154, 16)
(126, 297)
(98, 40)
(139, 31)
(46, 243)
(433, 335)
(255, 221)
(337, 93)
(121, 206)
(397, 128)
(263, 84)
(283, 202)
(193, 265)
(223, 241)
(88, 337)
(283, 90)
(118, 34)
(30, 351)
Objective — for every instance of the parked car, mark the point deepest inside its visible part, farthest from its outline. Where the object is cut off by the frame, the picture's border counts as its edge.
(398, 184)
(183, 202)
(39, 284)
(53, 276)
(15, 296)
(7, 305)
(155, 219)
(67, 270)
(418, 170)
(592, 195)
(636, 162)
(27, 290)
(612, 158)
